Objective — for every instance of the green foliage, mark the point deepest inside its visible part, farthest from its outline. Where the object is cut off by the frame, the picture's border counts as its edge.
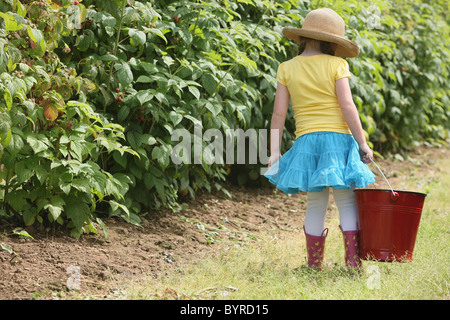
(92, 92)
(52, 140)
(400, 82)
(175, 65)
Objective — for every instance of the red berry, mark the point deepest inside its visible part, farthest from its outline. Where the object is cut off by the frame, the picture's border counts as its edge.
(141, 118)
(117, 90)
(69, 126)
(176, 19)
(76, 2)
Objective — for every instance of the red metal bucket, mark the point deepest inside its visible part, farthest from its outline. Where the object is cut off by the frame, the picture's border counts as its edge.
(388, 223)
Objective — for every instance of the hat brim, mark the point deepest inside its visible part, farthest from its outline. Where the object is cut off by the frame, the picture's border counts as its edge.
(346, 48)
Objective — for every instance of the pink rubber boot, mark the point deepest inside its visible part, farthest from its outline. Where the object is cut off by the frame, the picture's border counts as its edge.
(352, 251)
(315, 247)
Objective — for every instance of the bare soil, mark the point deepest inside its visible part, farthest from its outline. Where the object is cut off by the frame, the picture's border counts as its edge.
(44, 267)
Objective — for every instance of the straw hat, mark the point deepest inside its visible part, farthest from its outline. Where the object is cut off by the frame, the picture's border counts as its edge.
(325, 25)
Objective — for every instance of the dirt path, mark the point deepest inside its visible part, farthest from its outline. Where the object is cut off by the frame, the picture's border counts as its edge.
(47, 266)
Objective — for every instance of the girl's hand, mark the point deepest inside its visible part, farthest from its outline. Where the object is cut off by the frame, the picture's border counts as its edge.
(274, 158)
(366, 153)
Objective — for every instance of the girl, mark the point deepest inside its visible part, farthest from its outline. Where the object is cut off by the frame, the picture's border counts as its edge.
(330, 149)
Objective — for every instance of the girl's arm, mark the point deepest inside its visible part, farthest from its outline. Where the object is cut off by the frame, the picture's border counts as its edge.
(280, 109)
(351, 115)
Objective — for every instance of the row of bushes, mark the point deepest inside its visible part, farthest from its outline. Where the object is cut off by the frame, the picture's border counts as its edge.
(94, 90)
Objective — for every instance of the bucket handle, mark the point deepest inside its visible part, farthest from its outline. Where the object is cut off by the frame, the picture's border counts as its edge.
(394, 195)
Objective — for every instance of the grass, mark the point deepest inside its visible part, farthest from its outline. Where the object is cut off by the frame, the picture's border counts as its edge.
(274, 267)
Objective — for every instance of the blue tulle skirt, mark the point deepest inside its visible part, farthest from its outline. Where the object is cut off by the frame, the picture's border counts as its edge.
(318, 160)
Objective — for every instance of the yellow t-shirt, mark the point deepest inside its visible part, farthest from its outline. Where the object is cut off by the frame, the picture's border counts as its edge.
(311, 82)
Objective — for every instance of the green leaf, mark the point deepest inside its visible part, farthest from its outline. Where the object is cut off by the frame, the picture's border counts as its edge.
(6, 248)
(38, 37)
(114, 187)
(36, 144)
(97, 181)
(78, 150)
(108, 57)
(175, 117)
(149, 67)
(10, 22)
(134, 138)
(22, 233)
(162, 155)
(194, 120)
(65, 187)
(110, 144)
(41, 173)
(395, 95)
(138, 37)
(29, 217)
(24, 175)
(120, 159)
(21, 10)
(214, 106)
(123, 113)
(123, 74)
(116, 206)
(84, 41)
(41, 71)
(185, 35)
(82, 185)
(8, 98)
(195, 92)
(399, 77)
(5, 123)
(149, 180)
(78, 212)
(168, 60)
(144, 96)
(124, 180)
(17, 199)
(55, 207)
(148, 139)
(145, 79)
(5, 139)
(15, 145)
(157, 32)
(104, 228)
(132, 218)
(5, 129)
(209, 83)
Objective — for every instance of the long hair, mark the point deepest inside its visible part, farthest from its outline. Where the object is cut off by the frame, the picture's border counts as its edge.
(325, 47)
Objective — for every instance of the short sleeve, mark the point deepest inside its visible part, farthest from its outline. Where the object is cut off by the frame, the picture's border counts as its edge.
(342, 70)
(281, 76)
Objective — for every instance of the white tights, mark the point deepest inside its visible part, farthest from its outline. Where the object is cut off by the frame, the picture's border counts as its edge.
(317, 209)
